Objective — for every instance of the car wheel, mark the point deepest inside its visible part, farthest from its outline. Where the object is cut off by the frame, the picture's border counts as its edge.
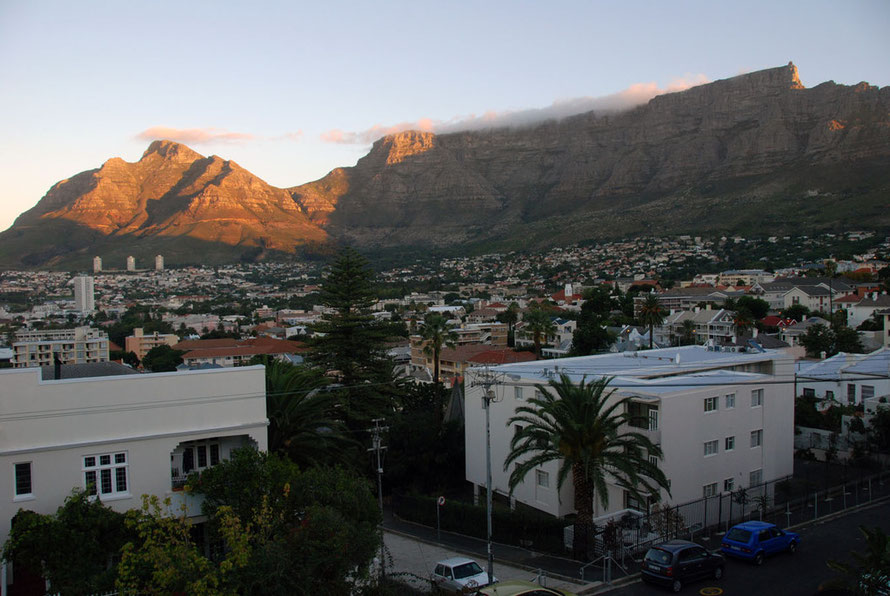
(758, 559)
(792, 547)
(718, 573)
(677, 585)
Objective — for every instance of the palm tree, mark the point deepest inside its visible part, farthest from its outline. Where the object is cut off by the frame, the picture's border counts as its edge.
(540, 325)
(869, 572)
(688, 332)
(651, 315)
(742, 321)
(581, 427)
(302, 424)
(436, 334)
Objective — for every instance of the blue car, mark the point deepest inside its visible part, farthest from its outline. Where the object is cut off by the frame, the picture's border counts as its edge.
(755, 540)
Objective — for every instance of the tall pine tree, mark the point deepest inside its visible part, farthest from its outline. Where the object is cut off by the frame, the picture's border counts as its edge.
(353, 347)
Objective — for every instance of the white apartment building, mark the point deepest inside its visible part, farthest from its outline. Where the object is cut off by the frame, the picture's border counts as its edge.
(159, 263)
(846, 378)
(120, 436)
(97, 264)
(723, 420)
(714, 326)
(131, 263)
(74, 346)
(84, 294)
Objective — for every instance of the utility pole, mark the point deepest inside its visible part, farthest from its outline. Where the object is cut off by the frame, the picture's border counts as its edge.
(378, 448)
(486, 379)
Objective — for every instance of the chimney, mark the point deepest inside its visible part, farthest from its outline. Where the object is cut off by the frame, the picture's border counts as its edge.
(57, 366)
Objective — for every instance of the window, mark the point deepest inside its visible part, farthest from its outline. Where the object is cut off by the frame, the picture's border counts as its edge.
(710, 448)
(809, 392)
(23, 479)
(868, 391)
(106, 474)
(851, 393)
(538, 394)
(756, 438)
(653, 418)
(542, 478)
(709, 490)
(199, 455)
(729, 443)
(710, 404)
(755, 478)
(756, 398)
(829, 395)
(517, 393)
(728, 485)
(730, 400)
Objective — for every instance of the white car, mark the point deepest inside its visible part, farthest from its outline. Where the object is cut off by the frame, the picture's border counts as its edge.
(459, 575)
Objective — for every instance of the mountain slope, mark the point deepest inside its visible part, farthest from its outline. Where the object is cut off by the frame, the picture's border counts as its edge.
(757, 153)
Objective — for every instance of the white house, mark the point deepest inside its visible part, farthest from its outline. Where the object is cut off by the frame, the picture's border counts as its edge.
(723, 420)
(120, 436)
(847, 378)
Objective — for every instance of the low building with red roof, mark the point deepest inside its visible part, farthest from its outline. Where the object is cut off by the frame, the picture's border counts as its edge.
(236, 352)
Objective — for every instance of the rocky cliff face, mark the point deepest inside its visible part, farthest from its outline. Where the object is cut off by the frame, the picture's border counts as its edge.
(754, 153)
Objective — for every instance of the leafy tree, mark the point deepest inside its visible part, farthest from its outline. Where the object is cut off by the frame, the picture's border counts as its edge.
(162, 359)
(817, 339)
(879, 428)
(315, 531)
(688, 332)
(509, 317)
(302, 415)
(757, 307)
(869, 573)
(126, 357)
(742, 321)
(436, 334)
(352, 348)
(796, 312)
(651, 314)
(847, 340)
(539, 324)
(164, 558)
(591, 335)
(583, 428)
(71, 548)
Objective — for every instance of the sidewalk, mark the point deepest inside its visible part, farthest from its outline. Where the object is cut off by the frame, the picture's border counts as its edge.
(558, 570)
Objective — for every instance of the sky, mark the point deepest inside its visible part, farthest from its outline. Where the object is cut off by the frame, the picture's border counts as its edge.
(290, 90)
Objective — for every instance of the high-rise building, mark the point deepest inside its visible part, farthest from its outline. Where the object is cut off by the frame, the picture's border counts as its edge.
(84, 293)
(131, 263)
(159, 263)
(73, 346)
(97, 264)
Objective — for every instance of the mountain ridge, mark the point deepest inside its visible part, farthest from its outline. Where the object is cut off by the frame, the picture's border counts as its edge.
(682, 163)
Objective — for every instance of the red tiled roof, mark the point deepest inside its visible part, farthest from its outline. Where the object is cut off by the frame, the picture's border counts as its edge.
(220, 348)
(503, 356)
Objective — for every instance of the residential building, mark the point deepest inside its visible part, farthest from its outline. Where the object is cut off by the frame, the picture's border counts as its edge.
(714, 327)
(140, 344)
(745, 277)
(73, 346)
(131, 263)
(159, 263)
(97, 264)
(849, 379)
(860, 310)
(84, 294)
(792, 334)
(120, 437)
(238, 352)
(684, 399)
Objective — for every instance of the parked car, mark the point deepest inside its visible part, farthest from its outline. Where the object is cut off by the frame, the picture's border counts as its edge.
(755, 540)
(520, 588)
(458, 575)
(677, 562)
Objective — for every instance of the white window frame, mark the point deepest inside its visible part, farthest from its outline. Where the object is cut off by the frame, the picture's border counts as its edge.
(729, 485)
(711, 448)
(94, 467)
(711, 404)
(729, 443)
(756, 398)
(207, 446)
(22, 496)
(730, 401)
(653, 418)
(757, 438)
(517, 393)
(709, 490)
(542, 478)
(755, 477)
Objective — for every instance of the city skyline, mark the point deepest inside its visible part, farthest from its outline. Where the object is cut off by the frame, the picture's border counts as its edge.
(291, 92)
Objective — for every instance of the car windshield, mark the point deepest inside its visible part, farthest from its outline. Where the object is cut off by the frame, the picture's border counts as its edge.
(738, 535)
(658, 556)
(467, 570)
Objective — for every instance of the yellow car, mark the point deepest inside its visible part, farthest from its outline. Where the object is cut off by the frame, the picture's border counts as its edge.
(520, 588)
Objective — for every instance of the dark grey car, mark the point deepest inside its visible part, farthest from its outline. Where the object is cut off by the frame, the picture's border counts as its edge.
(677, 562)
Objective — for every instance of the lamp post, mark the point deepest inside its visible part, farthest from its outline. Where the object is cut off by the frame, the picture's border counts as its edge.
(487, 398)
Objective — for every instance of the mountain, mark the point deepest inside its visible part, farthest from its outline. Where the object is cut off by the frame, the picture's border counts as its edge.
(756, 153)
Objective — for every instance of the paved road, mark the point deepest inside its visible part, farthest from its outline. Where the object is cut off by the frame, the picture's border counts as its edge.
(789, 575)
(412, 560)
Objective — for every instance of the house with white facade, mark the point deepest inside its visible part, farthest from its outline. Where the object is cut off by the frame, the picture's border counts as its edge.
(724, 420)
(716, 327)
(847, 378)
(120, 437)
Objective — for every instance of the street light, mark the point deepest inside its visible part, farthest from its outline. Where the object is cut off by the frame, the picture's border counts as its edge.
(487, 397)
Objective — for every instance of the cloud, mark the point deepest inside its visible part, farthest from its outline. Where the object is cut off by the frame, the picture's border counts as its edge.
(194, 136)
(636, 94)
